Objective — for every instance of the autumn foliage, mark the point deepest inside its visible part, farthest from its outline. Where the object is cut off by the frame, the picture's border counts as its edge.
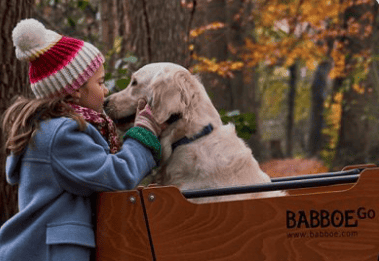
(307, 32)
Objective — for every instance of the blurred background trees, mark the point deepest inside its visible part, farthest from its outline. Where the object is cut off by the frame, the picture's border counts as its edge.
(299, 78)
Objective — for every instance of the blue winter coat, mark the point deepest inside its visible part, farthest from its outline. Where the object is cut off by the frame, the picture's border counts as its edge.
(56, 178)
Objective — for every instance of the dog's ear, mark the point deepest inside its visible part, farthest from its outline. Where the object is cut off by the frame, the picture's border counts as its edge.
(172, 96)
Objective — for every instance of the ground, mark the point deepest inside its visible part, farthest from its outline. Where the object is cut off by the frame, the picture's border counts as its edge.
(292, 167)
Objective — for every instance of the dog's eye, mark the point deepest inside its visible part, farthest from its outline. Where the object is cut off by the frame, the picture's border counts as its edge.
(134, 82)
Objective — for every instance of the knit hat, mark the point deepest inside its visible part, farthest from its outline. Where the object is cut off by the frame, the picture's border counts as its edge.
(59, 65)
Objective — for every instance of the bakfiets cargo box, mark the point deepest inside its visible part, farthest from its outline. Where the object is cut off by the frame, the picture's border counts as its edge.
(331, 216)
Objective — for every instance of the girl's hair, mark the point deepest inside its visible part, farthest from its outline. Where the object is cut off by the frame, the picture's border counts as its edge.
(22, 118)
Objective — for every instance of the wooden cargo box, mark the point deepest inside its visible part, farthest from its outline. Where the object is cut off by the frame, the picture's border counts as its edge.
(332, 221)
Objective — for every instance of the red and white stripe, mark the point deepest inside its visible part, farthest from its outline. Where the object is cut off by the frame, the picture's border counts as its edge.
(64, 68)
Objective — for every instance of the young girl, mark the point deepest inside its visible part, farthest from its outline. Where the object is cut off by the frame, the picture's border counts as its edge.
(63, 148)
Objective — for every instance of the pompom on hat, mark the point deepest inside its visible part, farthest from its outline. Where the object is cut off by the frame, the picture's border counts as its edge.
(59, 65)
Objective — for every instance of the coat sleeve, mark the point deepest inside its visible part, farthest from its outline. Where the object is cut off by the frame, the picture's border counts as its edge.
(82, 163)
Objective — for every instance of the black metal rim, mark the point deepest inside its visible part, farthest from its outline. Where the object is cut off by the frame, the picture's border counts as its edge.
(287, 183)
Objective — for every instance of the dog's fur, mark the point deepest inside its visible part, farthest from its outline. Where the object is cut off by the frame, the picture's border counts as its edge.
(219, 159)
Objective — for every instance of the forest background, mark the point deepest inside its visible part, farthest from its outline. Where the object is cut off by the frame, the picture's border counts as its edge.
(299, 78)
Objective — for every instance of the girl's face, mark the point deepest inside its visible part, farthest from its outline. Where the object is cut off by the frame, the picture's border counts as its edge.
(91, 95)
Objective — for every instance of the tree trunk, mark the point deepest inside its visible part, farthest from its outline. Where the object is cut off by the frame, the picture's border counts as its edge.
(212, 44)
(157, 31)
(291, 108)
(240, 91)
(318, 89)
(13, 81)
(108, 29)
(373, 79)
(244, 84)
(235, 42)
(353, 144)
(123, 25)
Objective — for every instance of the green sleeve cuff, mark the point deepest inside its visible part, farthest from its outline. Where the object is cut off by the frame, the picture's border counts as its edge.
(147, 138)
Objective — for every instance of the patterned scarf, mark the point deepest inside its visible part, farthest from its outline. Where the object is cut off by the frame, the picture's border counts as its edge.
(103, 123)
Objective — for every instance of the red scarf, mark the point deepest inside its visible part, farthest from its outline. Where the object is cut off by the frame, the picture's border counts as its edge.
(103, 123)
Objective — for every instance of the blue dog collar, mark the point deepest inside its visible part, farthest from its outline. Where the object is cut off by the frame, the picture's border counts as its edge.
(183, 141)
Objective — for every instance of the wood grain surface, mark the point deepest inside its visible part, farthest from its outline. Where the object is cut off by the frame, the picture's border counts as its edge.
(257, 229)
(121, 233)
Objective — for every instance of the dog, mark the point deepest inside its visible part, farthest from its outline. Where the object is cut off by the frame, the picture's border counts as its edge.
(198, 151)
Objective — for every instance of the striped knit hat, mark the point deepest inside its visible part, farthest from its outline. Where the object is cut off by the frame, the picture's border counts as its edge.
(59, 65)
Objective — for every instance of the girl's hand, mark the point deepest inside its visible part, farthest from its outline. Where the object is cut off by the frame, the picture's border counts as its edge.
(145, 118)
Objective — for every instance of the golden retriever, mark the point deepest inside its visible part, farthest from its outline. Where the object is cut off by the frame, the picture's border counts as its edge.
(213, 160)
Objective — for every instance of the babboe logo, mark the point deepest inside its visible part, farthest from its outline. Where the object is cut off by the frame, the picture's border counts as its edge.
(325, 218)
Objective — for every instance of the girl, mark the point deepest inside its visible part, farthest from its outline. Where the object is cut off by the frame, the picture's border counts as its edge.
(63, 148)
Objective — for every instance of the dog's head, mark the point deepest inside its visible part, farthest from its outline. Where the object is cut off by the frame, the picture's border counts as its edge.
(168, 88)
